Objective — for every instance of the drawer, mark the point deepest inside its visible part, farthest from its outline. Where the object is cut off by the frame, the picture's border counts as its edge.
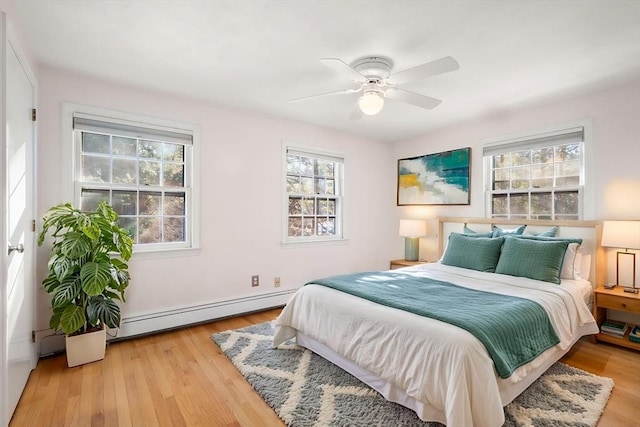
(618, 303)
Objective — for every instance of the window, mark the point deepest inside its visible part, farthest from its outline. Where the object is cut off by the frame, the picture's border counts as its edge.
(538, 177)
(143, 170)
(313, 183)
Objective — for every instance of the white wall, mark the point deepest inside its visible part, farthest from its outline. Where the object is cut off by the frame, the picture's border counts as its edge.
(241, 198)
(614, 186)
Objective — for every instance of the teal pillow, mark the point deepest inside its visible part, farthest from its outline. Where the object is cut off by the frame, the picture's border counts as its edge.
(470, 232)
(547, 239)
(475, 253)
(497, 231)
(550, 232)
(532, 258)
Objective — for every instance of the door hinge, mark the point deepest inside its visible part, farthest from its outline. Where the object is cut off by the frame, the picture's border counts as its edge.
(33, 336)
(33, 114)
(33, 225)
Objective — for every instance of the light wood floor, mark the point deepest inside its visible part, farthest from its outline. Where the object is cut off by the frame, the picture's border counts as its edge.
(180, 378)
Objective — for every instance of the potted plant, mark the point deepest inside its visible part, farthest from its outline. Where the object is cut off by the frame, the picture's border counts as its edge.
(87, 273)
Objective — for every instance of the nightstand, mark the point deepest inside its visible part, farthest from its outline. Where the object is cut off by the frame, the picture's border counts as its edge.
(615, 299)
(399, 263)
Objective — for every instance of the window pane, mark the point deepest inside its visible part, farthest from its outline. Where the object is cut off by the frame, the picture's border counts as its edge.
(500, 206)
(520, 177)
(542, 155)
(308, 226)
(541, 203)
(173, 175)
(501, 179)
(295, 206)
(124, 146)
(174, 230)
(295, 227)
(306, 185)
(293, 164)
(501, 161)
(124, 171)
(519, 204)
(131, 225)
(150, 203)
(324, 168)
(542, 176)
(568, 152)
(326, 207)
(96, 169)
(320, 186)
(174, 204)
(306, 166)
(151, 230)
(173, 152)
(521, 158)
(308, 207)
(89, 199)
(293, 184)
(95, 143)
(124, 202)
(326, 226)
(566, 203)
(149, 149)
(567, 173)
(149, 173)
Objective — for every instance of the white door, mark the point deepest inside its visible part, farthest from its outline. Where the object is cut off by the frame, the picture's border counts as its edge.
(18, 251)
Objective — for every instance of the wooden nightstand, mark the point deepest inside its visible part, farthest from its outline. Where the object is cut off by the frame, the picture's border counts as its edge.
(615, 299)
(399, 263)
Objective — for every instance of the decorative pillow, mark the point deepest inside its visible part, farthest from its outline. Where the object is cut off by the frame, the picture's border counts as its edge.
(550, 232)
(469, 232)
(535, 259)
(497, 231)
(475, 253)
(571, 263)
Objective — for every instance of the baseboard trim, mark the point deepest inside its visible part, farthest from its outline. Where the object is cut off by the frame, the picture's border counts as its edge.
(180, 317)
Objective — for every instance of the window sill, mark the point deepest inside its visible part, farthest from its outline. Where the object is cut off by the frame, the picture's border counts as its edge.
(165, 253)
(314, 243)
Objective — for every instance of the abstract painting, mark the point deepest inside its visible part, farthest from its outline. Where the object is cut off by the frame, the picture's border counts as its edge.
(435, 179)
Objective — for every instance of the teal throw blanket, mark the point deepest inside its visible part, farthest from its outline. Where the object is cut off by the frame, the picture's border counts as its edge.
(513, 330)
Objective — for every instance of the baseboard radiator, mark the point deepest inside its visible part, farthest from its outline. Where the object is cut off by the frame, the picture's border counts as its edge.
(180, 317)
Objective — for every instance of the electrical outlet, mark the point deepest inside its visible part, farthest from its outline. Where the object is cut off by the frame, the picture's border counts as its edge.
(255, 280)
(276, 282)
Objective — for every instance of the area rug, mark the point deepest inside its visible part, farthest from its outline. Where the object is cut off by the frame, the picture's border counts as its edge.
(306, 390)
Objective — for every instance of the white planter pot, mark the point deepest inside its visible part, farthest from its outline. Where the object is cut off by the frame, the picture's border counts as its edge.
(86, 348)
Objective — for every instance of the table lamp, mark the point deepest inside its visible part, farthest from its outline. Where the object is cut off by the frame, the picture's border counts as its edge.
(412, 230)
(624, 235)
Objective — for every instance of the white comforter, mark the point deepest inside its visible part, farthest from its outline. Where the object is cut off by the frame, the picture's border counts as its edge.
(433, 362)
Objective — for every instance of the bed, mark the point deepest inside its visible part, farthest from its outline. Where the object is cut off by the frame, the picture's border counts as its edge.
(446, 372)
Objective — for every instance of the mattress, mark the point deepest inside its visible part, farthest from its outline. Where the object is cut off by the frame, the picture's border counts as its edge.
(440, 371)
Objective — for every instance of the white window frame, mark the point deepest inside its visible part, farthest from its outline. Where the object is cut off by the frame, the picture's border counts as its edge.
(339, 195)
(518, 141)
(72, 166)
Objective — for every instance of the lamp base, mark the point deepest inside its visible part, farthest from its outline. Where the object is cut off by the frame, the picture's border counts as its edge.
(411, 248)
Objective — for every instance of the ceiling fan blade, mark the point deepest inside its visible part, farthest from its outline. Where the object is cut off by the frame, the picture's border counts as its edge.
(342, 68)
(412, 98)
(337, 92)
(439, 66)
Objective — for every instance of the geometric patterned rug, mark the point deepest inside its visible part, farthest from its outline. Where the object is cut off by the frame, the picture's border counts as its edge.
(306, 390)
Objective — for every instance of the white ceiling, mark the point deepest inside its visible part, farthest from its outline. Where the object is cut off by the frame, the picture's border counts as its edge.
(257, 55)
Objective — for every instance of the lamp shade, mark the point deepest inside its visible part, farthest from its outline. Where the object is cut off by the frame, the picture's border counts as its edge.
(621, 234)
(413, 228)
(371, 103)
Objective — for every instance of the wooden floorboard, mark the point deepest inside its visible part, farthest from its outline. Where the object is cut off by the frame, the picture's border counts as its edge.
(180, 378)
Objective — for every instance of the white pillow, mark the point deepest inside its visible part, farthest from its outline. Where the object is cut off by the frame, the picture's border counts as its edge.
(571, 262)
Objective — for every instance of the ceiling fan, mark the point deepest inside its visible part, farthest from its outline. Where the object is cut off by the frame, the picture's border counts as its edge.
(372, 75)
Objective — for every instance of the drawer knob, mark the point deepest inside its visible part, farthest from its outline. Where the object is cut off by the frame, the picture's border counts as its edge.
(624, 304)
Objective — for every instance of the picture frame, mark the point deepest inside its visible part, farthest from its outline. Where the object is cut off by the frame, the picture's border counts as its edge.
(435, 179)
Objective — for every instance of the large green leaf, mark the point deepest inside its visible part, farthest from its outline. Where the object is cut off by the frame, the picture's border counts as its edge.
(105, 310)
(94, 277)
(66, 292)
(54, 322)
(51, 283)
(75, 245)
(72, 319)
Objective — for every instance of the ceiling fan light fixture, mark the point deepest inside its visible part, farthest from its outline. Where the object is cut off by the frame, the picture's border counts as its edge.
(371, 102)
